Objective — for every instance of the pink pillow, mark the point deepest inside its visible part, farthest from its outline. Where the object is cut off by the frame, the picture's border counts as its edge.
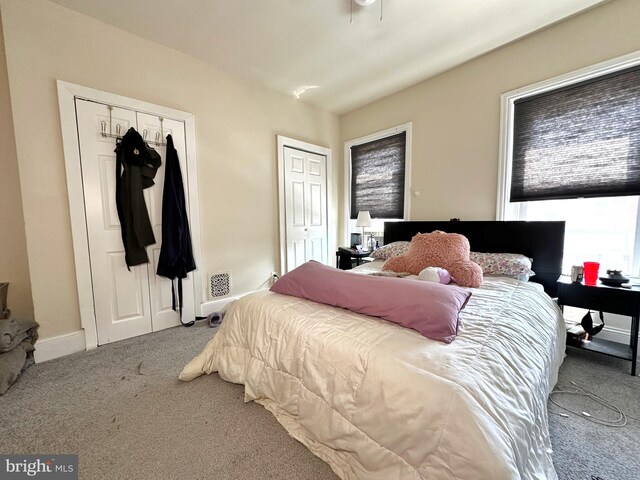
(430, 308)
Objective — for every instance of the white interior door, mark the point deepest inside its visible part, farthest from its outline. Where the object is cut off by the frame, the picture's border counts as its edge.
(127, 303)
(305, 184)
(121, 297)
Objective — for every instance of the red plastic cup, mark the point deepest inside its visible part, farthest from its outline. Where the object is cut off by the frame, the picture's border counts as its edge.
(591, 273)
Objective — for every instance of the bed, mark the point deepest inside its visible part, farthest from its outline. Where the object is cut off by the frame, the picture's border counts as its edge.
(379, 402)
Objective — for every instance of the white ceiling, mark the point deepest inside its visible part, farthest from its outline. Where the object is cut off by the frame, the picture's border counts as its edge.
(288, 44)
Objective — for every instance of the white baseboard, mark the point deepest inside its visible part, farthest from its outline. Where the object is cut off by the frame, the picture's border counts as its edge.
(615, 334)
(220, 305)
(60, 346)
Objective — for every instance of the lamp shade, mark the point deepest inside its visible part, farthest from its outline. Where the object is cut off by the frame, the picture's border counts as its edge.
(364, 219)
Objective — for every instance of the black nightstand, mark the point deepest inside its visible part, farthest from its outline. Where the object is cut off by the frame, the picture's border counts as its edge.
(623, 301)
(345, 255)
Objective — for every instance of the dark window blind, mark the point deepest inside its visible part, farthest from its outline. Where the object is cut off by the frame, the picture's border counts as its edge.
(579, 141)
(377, 177)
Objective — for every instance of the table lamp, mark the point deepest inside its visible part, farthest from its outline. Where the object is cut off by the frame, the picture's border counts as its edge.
(364, 220)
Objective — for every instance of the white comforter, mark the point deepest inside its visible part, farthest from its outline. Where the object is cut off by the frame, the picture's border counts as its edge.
(379, 401)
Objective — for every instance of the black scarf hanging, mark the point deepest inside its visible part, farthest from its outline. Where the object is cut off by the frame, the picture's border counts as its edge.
(136, 166)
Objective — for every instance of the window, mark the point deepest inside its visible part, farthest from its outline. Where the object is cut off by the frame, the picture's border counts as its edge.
(378, 177)
(601, 229)
(571, 151)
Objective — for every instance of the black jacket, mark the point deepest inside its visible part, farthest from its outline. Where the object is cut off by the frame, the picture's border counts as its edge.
(176, 255)
(136, 166)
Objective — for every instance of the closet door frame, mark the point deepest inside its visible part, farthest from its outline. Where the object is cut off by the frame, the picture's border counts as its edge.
(316, 150)
(67, 94)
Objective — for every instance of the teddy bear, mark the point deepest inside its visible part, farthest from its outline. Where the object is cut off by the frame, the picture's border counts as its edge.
(439, 249)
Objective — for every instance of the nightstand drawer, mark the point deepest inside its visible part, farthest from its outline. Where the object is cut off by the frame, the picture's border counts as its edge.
(610, 300)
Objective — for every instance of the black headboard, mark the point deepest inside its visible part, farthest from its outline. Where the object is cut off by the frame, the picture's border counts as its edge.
(542, 241)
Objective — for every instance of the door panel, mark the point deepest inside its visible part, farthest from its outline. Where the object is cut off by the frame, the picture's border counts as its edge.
(121, 297)
(298, 204)
(315, 168)
(108, 191)
(317, 231)
(297, 163)
(315, 205)
(299, 254)
(317, 249)
(305, 189)
(128, 287)
(165, 300)
(160, 287)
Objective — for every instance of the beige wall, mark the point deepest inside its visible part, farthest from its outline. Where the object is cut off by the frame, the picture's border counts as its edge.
(455, 136)
(456, 115)
(14, 265)
(236, 124)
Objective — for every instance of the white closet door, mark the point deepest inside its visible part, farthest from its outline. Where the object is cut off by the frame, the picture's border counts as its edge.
(121, 297)
(305, 184)
(162, 314)
(317, 232)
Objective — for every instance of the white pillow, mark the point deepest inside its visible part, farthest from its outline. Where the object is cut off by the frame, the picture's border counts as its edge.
(511, 265)
(394, 249)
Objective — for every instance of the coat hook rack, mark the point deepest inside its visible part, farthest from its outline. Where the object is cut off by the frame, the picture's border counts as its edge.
(109, 134)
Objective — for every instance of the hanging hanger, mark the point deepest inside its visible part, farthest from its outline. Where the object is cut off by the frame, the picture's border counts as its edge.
(103, 127)
(363, 3)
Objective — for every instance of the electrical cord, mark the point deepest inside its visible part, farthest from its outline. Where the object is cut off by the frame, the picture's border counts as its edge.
(576, 389)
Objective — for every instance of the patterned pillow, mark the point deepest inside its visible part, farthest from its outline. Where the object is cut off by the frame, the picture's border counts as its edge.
(394, 249)
(504, 264)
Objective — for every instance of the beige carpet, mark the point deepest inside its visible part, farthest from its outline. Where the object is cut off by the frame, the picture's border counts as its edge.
(122, 409)
(148, 425)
